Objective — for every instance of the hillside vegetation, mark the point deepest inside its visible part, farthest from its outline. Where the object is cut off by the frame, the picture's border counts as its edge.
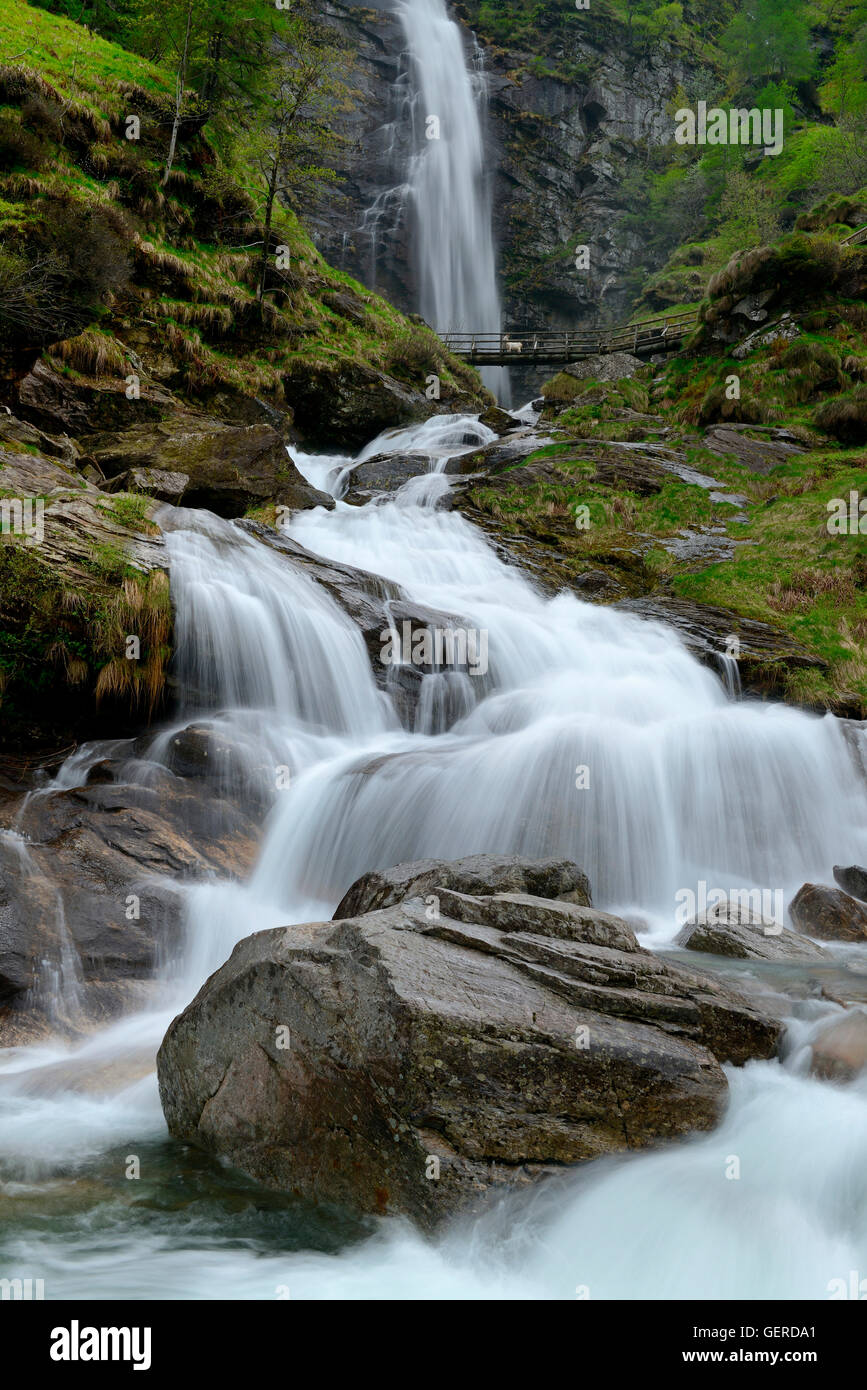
(105, 249)
(724, 476)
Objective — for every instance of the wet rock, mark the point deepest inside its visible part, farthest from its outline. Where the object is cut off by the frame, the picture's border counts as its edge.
(853, 880)
(230, 468)
(772, 447)
(156, 482)
(828, 913)
(764, 653)
(840, 1050)
(98, 873)
(477, 874)
(385, 473)
(500, 421)
(735, 929)
(430, 1062)
(502, 454)
(348, 404)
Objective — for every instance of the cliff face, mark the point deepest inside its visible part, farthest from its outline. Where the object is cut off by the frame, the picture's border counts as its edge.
(561, 149)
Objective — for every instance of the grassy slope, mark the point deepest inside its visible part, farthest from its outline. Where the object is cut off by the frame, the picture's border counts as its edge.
(198, 290)
(793, 573)
(188, 310)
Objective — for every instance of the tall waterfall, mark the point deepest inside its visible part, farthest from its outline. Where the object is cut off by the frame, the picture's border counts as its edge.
(447, 185)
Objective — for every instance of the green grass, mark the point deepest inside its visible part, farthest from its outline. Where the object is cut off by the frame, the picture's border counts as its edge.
(81, 65)
(796, 575)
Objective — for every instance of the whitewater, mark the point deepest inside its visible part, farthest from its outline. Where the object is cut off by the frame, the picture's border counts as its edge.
(685, 783)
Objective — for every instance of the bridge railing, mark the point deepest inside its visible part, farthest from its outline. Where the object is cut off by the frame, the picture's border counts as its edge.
(565, 343)
(854, 238)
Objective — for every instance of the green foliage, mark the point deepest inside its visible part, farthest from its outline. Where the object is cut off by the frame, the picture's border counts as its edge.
(769, 40)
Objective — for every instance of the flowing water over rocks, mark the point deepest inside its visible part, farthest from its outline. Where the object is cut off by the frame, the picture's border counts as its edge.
(592, 736)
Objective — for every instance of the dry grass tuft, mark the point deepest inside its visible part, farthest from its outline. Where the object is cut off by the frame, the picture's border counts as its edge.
(808, 585)
(92, 354)
(142, 608)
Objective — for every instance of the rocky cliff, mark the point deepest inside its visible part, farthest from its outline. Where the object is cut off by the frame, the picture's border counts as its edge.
(564, 135)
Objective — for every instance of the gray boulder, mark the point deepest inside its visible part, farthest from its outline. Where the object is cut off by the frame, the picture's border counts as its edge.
(416, 1058)
(478, 874)
(732, 929)
(853, 880)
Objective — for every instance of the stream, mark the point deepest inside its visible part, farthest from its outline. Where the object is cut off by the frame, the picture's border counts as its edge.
(682, 784)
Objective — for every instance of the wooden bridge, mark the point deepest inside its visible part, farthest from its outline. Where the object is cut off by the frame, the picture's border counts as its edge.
(855, 238)
(519, 346)
(530, 345)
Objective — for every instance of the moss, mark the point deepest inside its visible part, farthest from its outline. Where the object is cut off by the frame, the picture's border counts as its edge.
(132, 510)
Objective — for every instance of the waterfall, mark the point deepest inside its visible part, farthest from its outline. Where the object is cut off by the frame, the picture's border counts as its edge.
(684, 783)
(447, 183)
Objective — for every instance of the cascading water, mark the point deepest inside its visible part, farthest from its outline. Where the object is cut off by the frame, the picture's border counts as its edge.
(681, 784)
(447, 184)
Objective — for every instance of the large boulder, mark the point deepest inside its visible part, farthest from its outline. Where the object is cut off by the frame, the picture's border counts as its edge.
(414, 1058)
(828, 913)
(348, 404)
(477, 874)
(734, 929)
(156, 482)
(500, 454)
(60, 404)
(384, 473)
(230, 468)
(94, 886)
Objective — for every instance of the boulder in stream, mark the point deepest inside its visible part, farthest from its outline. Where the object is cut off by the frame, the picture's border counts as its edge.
(853, 880)
(840, 1049)
(828, 913)
(734, 929)
(415, 1058)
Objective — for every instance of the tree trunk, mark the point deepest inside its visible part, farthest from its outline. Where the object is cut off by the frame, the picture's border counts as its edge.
(180, 84)
(266, 242)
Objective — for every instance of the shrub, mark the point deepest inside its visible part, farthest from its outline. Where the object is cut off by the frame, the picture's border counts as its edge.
(52, 285)
(845, 418)
(414, 353)
(43, 116)
(19, 146)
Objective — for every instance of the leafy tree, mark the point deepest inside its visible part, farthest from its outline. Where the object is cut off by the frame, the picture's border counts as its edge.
(847, 76)
(768, 40)
(290, 153)
(843, 156)
(750, 212)
(222, 52)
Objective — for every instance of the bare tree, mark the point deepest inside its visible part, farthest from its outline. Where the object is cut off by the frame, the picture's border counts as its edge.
(180, 88)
